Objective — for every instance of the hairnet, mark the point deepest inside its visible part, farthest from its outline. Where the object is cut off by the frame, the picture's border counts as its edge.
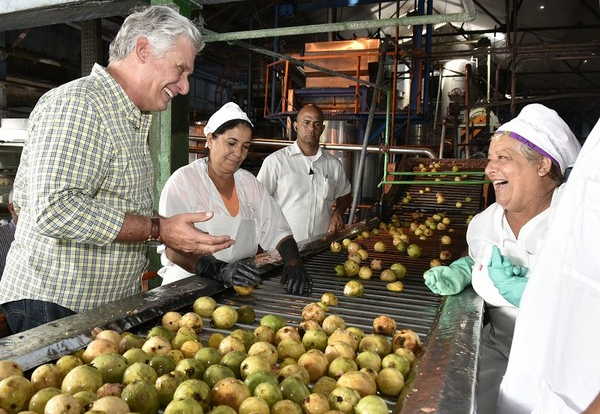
(227, 112)
(542, 130)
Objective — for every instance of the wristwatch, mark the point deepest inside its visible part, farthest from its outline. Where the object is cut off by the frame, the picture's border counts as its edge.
(154, 236)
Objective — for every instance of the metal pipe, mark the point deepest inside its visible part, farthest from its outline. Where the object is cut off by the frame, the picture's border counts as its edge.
(438, 173)
(394, 85)
(275, 49)
(213, 2)
(467, 109)
(497, 89)
(388, 120)
(470, 182)
(513, 91)
(442, 135)
(437, 102)
(468, 15)
(428, 50)
(363, 152)
(386, 157)
(558, 96)
(489, 87)
(489, 75)
(514, 45)
(388, 117)
(265, 111)
(408, 150)
(284, 87)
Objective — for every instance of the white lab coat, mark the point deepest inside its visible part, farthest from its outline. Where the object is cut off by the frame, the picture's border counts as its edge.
(554, 365)
(487, 229)
(306, 199)
(259, 221)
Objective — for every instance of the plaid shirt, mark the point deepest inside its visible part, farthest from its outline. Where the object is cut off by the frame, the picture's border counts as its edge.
(85, 164)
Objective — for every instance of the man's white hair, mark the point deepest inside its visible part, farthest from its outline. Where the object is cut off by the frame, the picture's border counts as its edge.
(161, 25)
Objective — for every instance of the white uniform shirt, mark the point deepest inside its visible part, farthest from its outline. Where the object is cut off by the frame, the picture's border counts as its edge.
(190, 190)
(490, 228)
(554, 365)
(306, 199)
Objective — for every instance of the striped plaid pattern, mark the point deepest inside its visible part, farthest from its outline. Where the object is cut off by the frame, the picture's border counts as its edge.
(85, 164)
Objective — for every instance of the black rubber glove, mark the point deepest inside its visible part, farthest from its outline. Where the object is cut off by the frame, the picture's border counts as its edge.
(294, 277)
(235, 273)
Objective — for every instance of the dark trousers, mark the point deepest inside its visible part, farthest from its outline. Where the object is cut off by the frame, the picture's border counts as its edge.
(25, 314)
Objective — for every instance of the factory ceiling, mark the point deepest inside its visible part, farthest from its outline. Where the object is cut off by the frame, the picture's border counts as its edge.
(551, 45)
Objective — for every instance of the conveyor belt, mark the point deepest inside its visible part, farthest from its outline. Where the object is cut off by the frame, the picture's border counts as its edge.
(442, 380)
(414, 308)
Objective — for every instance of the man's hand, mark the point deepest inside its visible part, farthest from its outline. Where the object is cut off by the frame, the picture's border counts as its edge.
(336, 223)
(178, 232)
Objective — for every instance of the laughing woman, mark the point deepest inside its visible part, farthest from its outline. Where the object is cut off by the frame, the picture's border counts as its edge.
(527, 159)
(240, 205)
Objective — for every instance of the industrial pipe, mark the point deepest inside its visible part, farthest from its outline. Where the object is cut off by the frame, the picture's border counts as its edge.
(437, 102)
(356, 148)
(558, 96)
(442, 136)
(363, 152)
(467, 109)
(468, 15)
(469, 182)
(437, 173)
(345, 147)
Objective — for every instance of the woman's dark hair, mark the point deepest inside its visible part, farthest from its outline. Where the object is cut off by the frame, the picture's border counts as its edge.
(232, 124)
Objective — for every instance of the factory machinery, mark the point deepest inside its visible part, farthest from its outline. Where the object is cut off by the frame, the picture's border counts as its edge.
(443, 377)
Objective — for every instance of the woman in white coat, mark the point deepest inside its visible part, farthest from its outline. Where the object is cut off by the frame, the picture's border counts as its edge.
(527, 160)
(241, 208)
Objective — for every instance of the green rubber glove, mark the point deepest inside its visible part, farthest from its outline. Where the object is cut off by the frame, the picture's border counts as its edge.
(509, 279)
(449, 280)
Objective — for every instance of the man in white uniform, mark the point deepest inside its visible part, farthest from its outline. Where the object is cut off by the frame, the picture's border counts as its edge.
(307, 182)
(554, 364)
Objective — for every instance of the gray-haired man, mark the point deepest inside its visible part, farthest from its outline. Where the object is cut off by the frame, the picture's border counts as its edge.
(85, 182)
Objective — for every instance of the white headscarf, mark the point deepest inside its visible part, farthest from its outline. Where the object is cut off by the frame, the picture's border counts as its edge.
(542, 130)
(227, 112)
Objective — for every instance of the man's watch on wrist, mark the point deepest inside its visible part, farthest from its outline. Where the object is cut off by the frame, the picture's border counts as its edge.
(154, 236)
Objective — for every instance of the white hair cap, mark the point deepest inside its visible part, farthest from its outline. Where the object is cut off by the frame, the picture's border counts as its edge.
(227, 112)
(542, 130)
